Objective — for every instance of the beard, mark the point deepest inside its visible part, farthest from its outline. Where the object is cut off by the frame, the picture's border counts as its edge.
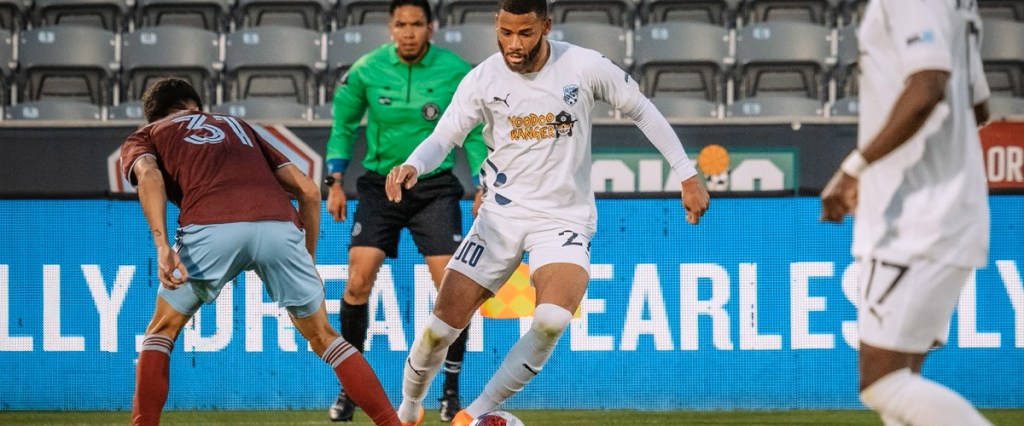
(529, 58)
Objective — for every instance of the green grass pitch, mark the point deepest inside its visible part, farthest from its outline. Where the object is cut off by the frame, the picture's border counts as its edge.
(529, 417)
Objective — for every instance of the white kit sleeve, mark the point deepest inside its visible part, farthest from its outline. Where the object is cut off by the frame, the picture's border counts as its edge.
(430, 153)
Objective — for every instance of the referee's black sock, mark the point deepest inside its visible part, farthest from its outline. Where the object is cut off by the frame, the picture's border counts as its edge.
(355, 319)
(453, 362)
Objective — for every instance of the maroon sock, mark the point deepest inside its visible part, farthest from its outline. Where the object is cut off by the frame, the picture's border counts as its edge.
(151, 379)
(360, 382)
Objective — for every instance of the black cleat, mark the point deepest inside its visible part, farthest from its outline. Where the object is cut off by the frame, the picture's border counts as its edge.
(449, 405)
(343, 409)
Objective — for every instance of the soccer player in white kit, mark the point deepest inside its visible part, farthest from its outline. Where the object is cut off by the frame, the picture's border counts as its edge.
(917, 185)
(535, 99)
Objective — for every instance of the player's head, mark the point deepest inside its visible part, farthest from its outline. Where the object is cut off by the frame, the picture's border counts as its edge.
(169, 95)
(411, 28)
(523, 26)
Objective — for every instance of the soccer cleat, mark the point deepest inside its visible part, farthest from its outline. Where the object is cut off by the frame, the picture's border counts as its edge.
(449, 405)
(343, 409)
(418, 419)
(462, 418)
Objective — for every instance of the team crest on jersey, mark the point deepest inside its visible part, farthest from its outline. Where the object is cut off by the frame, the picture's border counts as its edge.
(563, 124)
(430, 111)
(571, 94)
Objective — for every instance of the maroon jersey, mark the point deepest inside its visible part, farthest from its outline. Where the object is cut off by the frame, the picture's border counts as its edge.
(216, 168)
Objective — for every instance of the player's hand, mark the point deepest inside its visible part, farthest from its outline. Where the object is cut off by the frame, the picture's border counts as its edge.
(170, 271)
(839, 197)
(695, 199)
(336, 202)
(400, 177)
(478, 200)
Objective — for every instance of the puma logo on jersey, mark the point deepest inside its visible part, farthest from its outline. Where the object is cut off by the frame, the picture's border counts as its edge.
(502, 100)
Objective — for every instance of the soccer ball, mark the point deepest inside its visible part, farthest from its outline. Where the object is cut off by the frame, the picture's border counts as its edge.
(497, 418)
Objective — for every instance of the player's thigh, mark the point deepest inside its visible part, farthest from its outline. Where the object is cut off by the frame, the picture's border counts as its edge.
(213, 255)
(286, 268)
(377, 222)
(560, 263)
(437, 227)
(490, 252)
(907, 307)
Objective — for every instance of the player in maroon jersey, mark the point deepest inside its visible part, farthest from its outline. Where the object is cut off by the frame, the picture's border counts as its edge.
(233, 190)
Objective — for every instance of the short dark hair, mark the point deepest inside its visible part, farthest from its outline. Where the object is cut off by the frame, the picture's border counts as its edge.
(422, 4)
(523, 7)
(166, 96)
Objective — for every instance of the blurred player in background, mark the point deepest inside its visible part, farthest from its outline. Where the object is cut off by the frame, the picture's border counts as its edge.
(232, 187)
(405, 86)
(917, 185)
(535, 99)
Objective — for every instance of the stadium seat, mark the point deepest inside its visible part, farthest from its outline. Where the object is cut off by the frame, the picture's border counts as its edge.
(845, 107)
(309, 14)
(847, 71)
(13, 14)
(363, 12)
(111, 15)
(774, 107)
(473, 42)
(211, 15)
(67, 62)
(7, 64)
(820, 12)
(1002, 52)
(608, 39)
(459, 12)
(716, 12)
(127, 111)
(683, 107)
(323, 111)
(619, 13)
(53, 110)
(851, 11)
(346, 45)
(1004, 106)
(782, 59)
(262, 110)
(149, 54)
(274, 62)
(1001, 9)
(694, 68)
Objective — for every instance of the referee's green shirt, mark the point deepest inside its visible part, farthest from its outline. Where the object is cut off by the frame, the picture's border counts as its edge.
(403, 103)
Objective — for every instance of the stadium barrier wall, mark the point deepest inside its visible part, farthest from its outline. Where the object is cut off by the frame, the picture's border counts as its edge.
(753, 309)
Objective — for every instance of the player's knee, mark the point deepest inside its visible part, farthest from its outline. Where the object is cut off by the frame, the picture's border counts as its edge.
(358, 289)
(876, 394)
(549, 321)
(438, 334)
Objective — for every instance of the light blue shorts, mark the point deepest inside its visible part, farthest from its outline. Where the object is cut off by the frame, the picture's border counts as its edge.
(216, 254)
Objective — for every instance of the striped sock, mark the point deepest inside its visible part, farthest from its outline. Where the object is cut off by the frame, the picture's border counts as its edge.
(360, 382)
(151, 379)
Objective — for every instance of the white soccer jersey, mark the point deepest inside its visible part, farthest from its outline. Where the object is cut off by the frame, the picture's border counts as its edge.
(929, 197)
(537, 127)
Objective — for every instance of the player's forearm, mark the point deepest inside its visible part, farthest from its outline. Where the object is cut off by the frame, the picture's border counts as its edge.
(923, 93)
(153, 199)
(309, 212)
(658, 130)
(430, 153)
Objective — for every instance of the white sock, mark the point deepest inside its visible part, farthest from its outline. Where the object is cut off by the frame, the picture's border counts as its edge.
(425, 358)
(525, 359)
(908, 398)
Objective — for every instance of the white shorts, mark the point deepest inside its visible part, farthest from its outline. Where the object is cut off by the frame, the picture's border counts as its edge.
(495, 244)
(907, 308)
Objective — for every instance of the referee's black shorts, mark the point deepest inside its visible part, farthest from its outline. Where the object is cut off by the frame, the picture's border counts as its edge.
(430, 210)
